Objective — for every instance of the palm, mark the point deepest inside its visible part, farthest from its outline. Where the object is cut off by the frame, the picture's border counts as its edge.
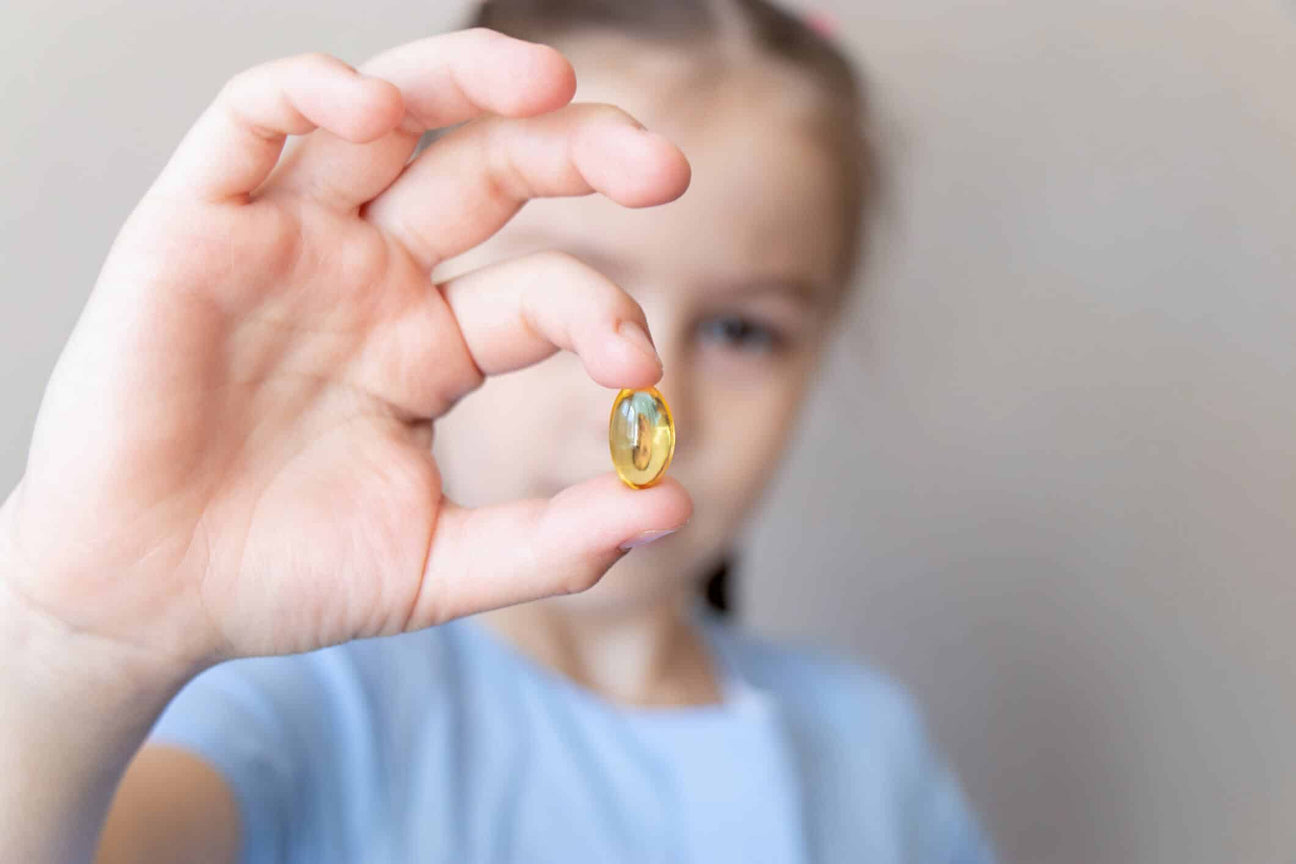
(264, 453)
(350, 476)
(237, 436)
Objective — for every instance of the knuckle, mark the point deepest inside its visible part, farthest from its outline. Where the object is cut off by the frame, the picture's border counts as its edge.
(238, 96)
(558, 264)
(505, 178)
(242, 84)
(320, 60)
(600, 293)
(562, 267)
(486, 38)
(237, 85)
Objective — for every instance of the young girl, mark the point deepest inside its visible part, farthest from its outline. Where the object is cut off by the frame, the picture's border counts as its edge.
(254, 445)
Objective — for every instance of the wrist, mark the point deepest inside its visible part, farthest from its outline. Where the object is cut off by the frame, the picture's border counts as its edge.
(59, 655)
(75, 708)
(50, 659)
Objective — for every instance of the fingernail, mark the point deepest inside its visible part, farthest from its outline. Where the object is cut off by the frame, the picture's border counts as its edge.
(638, 336)
(644, 539)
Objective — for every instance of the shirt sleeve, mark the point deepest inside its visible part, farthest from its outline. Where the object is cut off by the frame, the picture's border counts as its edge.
(941, 825)
(876, 786)
(262, 723)
(947, 820)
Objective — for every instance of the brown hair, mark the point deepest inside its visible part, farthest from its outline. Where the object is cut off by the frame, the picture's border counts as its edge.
(706, 24)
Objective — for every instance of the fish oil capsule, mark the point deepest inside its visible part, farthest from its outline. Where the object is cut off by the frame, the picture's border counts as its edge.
(641, 433)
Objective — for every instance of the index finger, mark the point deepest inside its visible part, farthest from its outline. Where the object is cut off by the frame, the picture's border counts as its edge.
(444, 80)
(437, 81)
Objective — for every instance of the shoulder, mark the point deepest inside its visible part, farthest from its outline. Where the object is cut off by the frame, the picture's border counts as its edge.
(842, 693)
(863, 747)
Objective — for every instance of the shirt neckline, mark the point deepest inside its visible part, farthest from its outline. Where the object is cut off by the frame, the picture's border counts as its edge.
(738, 695)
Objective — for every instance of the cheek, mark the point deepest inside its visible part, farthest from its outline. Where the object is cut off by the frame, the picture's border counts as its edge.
(743, 433)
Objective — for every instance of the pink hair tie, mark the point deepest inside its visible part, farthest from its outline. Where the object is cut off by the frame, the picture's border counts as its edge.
(821, 22)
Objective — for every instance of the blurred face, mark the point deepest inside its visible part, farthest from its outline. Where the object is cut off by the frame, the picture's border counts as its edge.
(738, 282)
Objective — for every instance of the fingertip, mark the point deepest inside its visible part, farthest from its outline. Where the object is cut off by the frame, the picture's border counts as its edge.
(548, 77)
(635, 374)
(551, 66)
(536, 548)
(633, 166)
(677, 502)
(665, 173)
(664, 506)
(389, 105)
(677, 170)
(353, 106)
(380, 108)
(627, 359)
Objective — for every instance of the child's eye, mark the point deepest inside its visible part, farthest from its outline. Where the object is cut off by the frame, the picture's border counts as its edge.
(741, 333)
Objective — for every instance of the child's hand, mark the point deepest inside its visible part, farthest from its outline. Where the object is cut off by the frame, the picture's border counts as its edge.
(233, 454)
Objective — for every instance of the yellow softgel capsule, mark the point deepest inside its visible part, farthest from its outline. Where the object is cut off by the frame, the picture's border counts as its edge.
(641, 433)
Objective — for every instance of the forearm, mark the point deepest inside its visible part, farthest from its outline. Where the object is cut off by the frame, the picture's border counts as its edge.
(74, 708)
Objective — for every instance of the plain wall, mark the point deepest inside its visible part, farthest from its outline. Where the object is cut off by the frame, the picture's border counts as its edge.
(1050, 483)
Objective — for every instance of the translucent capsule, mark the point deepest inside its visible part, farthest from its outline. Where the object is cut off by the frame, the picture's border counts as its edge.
(641, 434)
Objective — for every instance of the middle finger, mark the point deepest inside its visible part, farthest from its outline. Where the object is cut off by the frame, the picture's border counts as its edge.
(463, 189)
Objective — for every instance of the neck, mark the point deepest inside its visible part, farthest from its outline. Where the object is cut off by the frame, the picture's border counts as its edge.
(648, 656)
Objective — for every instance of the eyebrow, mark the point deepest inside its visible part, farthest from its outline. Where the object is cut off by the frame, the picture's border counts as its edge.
(802, 290)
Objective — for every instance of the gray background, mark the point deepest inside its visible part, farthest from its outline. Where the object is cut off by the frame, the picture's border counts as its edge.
(1051, 480)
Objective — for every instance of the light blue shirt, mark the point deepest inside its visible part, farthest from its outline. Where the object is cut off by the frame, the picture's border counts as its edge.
(448, 745)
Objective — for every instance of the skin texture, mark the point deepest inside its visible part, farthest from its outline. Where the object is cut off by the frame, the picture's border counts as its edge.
(265, 366)
(296, 356)
(232, 455)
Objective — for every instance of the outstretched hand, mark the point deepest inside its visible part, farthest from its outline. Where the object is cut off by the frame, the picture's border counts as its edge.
(233, 454)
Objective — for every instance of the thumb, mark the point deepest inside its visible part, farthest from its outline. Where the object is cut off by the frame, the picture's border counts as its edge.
(484, 558)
